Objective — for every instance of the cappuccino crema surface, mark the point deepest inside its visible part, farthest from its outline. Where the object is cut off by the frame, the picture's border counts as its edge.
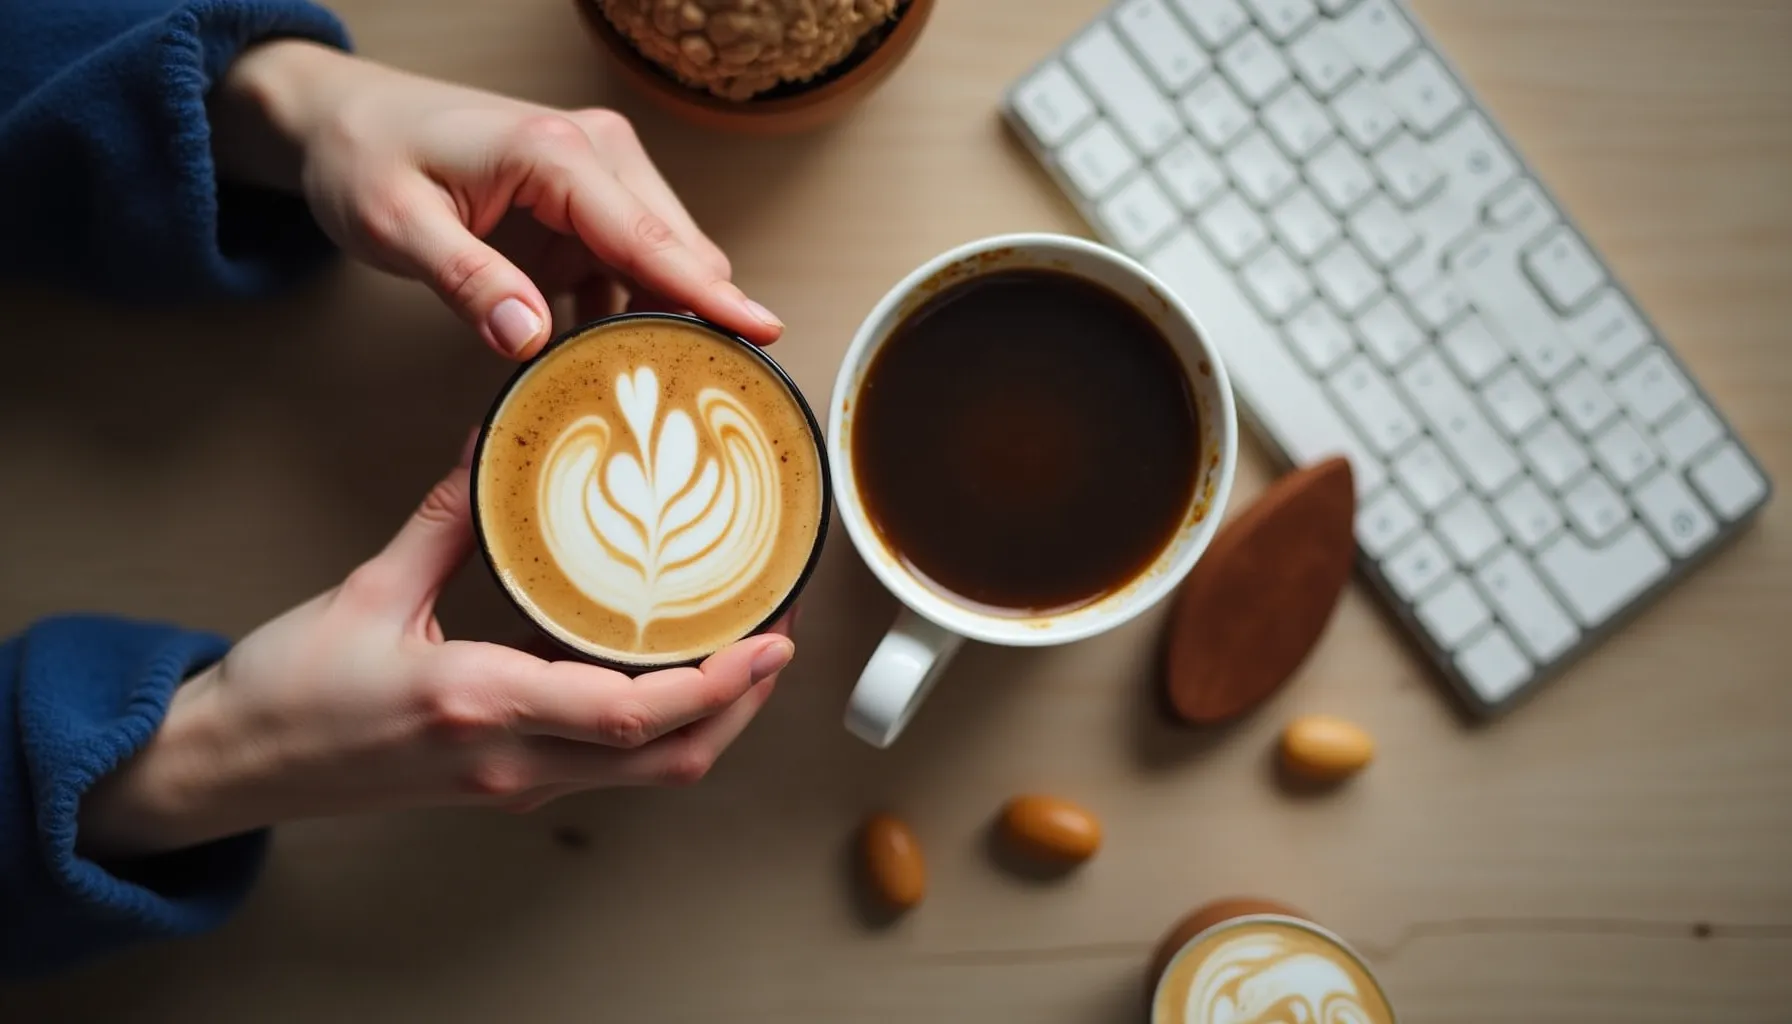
(1267, 971)
(650, 491)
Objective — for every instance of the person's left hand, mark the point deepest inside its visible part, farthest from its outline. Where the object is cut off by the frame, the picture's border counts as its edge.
(355, 701)
(421, 178)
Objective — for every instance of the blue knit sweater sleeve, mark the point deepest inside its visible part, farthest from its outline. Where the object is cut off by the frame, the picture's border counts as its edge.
(79, 695)
(107, 185)
(106, 177)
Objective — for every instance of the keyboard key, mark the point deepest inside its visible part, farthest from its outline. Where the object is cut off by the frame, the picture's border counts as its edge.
(1334, 6)
(1729, 481)
(1652, 388)
(1382, 232)
(1555, 455)
(1440, 219)
(1215, 21)
(1427, 476)
(1584, 402)
(1234, 229)
(1385, 522)
(1530, 515)
(1522, 203)
(1364, 114)
(1096, 160)
(1474, 159)
(1624, 453)
(1320, 61)
(1169, 51)
(1131, 100)
(1263, 174)
(1599, 582)
(1216, 112)
(1346, 278)
(1487, 266)
(1407, 170)
(1304, 224)
(1298, 122)
(1515, 404)
(1564, 269)
(1493, 666)
(1453, 614)
(1189, 175)
(1139, 213)
(1424, 93)
(1595, 508)
(1688, 432)
(1607, 332)
(1468, 530)
(1458, 423)
(1052, 104)
(1276, 282)
(1473, 349)
(1255, 67)
(1540, 623)
(1370, 400)
(1416, 567)
(1546, 353)
(1388, 331)
(1439, 304)
(1376, 33)
(1282, 18)
(1320, 337)
(1290, 405)
(1670, 509)
(1340, 176)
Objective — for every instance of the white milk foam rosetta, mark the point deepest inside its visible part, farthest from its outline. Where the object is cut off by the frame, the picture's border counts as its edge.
(1261, 977)
(664, 523)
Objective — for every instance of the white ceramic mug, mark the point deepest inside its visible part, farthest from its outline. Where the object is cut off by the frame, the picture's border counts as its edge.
(932, 626)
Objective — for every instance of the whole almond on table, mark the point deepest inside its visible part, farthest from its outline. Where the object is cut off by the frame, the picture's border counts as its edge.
(1051, 828)
(893, 863)
(1325, 748)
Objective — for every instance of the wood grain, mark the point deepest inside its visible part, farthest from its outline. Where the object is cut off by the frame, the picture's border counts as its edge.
(1616, 850)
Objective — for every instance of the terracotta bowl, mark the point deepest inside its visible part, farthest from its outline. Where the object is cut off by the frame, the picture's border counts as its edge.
(825, 100)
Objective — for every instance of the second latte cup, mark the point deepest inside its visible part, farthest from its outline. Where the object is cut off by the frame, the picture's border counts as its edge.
(932, 624)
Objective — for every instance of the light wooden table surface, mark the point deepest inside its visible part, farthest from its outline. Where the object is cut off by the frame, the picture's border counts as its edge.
(1619, 849)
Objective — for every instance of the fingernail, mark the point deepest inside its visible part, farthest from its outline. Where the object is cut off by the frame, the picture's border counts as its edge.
(514, 325)
(772, 659)
(762, 314)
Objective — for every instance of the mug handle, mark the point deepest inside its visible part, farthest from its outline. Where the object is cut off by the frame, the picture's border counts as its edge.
(898, 676)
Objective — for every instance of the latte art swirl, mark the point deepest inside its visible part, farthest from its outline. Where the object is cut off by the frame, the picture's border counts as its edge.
(1262, 977)
(669, 516)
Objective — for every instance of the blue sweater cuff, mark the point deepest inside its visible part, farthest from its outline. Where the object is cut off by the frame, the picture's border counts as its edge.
(251, 240)
(107, 182)
(88, 693)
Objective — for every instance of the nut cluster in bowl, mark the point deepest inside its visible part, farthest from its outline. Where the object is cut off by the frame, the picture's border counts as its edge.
(742, 49)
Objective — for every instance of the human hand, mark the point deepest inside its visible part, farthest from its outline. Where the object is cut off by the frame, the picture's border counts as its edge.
(354, 701)
(415, 176)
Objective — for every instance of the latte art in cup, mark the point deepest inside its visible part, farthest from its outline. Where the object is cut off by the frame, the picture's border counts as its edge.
(1262, 968)
(650, 490)
(667, 519)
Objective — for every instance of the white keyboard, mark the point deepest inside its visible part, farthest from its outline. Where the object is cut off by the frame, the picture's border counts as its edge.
(1386, 279)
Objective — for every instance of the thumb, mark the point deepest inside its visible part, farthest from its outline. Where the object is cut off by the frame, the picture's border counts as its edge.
(476, 281)
(431, 545)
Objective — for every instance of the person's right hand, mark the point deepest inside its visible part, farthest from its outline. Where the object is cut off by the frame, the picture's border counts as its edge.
(354, 701)
(417, 176)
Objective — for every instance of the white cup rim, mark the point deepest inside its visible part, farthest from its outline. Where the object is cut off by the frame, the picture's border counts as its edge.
(1219, 415)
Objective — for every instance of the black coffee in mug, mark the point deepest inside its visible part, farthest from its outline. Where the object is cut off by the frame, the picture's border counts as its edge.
(1026, 442)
